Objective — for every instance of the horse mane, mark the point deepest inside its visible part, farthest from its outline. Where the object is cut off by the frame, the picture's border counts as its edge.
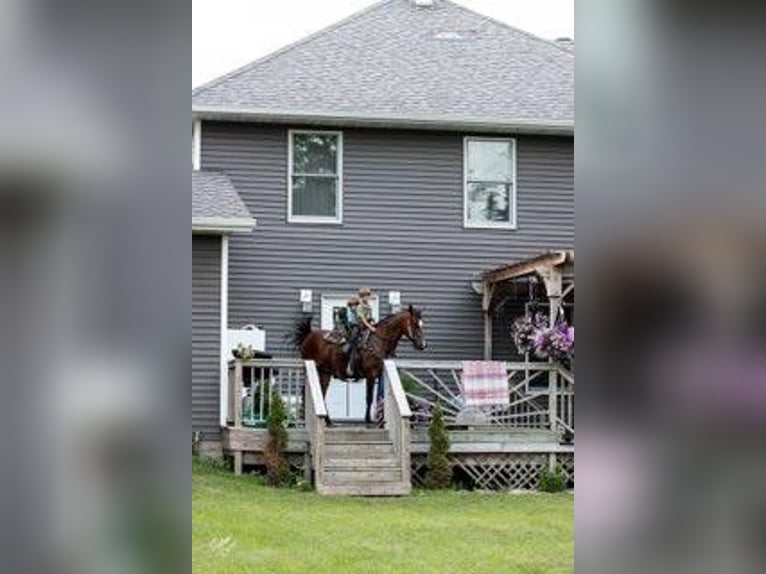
(391, 317)
(387, 318)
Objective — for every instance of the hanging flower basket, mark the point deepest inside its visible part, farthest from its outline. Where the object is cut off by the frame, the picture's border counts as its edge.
(532, 334)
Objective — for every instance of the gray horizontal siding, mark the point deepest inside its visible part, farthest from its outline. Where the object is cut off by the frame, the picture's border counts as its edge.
(402, 228)
(206, 329)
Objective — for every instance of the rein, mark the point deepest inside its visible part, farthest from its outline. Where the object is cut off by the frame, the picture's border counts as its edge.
(387, 339)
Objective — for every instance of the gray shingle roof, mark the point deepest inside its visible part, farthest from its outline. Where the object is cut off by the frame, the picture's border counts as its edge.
(398, 61)
(216, 204)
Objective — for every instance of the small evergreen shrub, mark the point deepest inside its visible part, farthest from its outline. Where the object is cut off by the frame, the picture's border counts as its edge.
(277, 470)
(210, 465)
(439, 473)
(551, 481)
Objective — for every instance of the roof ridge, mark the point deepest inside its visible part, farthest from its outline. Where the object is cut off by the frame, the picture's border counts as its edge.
(321, 32)
(514, 28)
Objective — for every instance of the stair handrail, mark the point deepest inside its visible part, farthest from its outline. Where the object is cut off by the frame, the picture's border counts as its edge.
(316, 419)
(397, 416)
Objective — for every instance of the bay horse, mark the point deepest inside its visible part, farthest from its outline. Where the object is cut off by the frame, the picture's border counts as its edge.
(331, 362)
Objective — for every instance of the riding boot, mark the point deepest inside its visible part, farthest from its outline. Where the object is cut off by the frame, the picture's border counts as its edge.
(350, 365)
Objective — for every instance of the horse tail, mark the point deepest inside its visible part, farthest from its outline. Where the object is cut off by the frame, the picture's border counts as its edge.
(301, 330)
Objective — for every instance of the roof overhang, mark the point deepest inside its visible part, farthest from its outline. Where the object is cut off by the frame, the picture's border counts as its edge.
(457, 123)
(222, 225)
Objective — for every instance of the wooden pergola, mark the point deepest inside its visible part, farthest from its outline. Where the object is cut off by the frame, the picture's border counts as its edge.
(551, 267)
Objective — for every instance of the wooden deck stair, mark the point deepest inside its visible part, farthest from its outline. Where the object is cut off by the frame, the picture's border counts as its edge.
(361, 462)
(356, 461)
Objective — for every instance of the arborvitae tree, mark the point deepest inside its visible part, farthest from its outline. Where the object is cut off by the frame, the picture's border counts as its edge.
(551, 481)
(277, 469)
(439, 474)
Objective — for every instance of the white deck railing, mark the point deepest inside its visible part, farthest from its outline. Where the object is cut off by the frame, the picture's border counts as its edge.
(541, 395)
(316, 420)
(252, 383)
(397, 417)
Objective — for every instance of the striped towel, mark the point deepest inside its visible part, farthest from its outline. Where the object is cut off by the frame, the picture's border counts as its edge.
(485, 383)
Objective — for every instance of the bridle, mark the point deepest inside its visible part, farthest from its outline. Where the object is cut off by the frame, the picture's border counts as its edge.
(410, 334)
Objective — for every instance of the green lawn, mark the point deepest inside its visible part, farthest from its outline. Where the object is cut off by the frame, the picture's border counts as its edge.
(240, 526)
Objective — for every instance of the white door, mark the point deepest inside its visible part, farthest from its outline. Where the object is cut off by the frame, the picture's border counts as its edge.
(344, 400)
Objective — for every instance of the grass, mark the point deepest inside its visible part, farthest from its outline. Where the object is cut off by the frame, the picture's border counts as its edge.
(239, 525)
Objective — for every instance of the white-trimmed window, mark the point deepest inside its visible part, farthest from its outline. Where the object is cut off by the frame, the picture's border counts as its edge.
(489, 196)
(315, 178)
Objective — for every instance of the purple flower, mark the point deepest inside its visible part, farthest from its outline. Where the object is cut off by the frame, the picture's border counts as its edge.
(534, 335)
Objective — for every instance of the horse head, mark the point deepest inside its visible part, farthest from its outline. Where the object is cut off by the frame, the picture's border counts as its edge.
(415, 331)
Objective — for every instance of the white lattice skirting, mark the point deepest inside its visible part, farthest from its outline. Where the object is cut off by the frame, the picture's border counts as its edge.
(501, 471)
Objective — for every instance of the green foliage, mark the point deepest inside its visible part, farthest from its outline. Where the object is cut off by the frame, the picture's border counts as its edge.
(551, 481)
(409, 384)
(208, 464)
(301, 484)
(277, 470)
(245, 353)
(439, 474)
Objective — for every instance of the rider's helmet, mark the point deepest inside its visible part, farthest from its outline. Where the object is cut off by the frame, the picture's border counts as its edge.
(364, 292)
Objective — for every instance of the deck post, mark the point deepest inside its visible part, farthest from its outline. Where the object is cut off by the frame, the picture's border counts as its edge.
(486, 307)
(238, 384)
(238, 462)
(552, 278)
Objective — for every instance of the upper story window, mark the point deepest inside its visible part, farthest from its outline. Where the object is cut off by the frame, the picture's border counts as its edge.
(196, 144)
(490, 183)
(315, 180)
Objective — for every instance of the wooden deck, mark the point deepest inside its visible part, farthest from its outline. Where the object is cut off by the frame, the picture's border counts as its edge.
(493, 458)
(253, 441)
(507, 448)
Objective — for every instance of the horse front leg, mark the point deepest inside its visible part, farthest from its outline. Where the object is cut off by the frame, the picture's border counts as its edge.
(324, 382)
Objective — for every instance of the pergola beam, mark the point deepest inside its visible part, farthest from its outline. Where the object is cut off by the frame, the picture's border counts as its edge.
(551, 259)
(546, 266)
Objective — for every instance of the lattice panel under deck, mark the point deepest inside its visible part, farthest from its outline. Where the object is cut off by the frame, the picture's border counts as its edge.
(501, 471)
(567, 468)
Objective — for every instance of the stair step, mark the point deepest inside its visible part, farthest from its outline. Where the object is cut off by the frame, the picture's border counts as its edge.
(350, 477)
(382, 489)
(361, 463)
(356, 450)
(356, 435)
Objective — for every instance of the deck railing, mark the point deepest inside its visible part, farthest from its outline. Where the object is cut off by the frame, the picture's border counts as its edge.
(252, 384)
(316, 420)
(541, 395)
(397, 416)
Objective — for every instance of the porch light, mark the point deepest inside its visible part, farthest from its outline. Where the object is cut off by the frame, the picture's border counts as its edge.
(306, 300)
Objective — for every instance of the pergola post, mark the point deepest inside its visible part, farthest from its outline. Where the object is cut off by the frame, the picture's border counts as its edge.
(486, 306)
(551, 276)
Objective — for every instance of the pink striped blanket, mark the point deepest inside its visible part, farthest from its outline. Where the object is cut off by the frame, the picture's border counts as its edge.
(485, 383)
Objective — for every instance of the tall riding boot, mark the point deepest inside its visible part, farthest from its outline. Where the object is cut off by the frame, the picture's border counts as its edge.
(351, 363)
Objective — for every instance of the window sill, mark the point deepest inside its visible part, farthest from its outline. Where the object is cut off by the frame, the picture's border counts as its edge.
(502, 226)
(314, 221)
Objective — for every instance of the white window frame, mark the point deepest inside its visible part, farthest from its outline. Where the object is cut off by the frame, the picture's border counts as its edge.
(196, 144)
(338, 219)
(511, 223)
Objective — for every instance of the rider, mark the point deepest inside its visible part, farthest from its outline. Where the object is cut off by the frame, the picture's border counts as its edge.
(362, 323)
(364, 311)
(349, 321)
